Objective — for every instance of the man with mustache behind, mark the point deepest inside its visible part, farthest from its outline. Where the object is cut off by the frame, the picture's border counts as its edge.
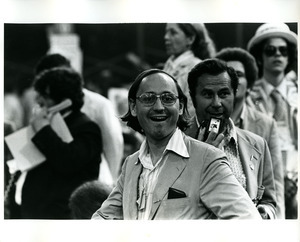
(213, 86)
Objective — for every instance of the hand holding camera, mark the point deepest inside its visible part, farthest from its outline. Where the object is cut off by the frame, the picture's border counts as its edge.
(210, 132)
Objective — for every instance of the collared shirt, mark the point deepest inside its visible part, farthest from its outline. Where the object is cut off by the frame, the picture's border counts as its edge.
(150, 173)
(288, 91)
(173, 62)
(232, 152)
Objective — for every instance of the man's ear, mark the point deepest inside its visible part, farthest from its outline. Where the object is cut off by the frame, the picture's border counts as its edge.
(181, 105)
(132, 107)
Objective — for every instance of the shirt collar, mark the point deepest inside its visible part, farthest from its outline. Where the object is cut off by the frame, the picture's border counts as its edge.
(181, 58)
(231, 131)
(175, 144)
(281, 88)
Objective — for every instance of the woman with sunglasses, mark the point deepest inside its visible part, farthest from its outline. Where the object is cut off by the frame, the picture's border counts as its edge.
(274, 47)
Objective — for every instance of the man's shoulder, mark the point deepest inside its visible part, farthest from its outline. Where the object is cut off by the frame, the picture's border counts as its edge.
(194, 144)
(95, 97)
(97, 106)
(132, 159)
(249, 136)
(256, 115)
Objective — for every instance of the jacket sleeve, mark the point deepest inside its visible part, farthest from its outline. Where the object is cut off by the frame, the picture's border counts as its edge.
(269, 195)
(278, 169)
(221, 192)
(69, 158)
(112, 207)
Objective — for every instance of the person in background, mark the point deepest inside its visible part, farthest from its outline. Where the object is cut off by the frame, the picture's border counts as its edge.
(274, 47)
(100, 110)
(172, 176)
(186, 45)
(12, 103)
(87, 198)
(213, 87)
(250, 119)
(48, 186)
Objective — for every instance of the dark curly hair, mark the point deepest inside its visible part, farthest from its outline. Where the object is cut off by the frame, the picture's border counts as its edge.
(257, 52)
(50, 61)
(212, 67)
(132, 122)
(203, 47)
(60, 83)
(243, 56)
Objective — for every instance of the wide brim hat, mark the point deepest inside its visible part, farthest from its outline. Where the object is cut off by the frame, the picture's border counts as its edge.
(270, 30)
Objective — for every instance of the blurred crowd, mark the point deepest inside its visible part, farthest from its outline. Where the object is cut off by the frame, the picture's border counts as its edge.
(78, 175)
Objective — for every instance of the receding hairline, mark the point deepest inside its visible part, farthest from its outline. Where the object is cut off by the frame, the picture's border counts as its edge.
(144, 79)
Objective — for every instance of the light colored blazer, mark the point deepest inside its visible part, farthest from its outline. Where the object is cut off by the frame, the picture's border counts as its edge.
(259, 100)
(264, 126)
(257, 164)
(210, 187)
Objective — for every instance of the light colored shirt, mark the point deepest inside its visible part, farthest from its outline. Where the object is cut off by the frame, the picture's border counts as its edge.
(290, 97)
(150, 173)
(101, 111)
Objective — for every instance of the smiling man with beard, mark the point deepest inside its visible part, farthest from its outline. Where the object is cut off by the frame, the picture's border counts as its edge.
(213, 86)
(172, 176)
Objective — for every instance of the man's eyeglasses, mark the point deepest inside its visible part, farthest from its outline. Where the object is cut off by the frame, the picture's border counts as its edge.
(271, 50)
(149, 98)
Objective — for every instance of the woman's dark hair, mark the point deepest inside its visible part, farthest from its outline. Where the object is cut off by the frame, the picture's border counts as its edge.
(257, 52)
(50, 61)
(243, 56)
(60, 83)
(132, 122)
(203, 47)
(211, 67)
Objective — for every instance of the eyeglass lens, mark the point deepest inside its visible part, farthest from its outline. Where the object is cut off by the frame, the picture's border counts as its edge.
(271, 50)
(150, 98)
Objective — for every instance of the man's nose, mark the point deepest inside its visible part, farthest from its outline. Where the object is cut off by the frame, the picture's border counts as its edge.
(216, 101)
(158, 104)
(166, 36)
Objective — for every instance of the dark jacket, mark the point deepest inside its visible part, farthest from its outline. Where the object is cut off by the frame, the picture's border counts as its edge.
(47, 187)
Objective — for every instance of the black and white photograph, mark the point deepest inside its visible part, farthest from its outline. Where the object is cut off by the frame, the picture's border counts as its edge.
(188, 121)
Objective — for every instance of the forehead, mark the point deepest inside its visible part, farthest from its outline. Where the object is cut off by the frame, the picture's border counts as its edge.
(173, 26)
(216, 82)
(236, 65)
(276, 41)
(158, 83)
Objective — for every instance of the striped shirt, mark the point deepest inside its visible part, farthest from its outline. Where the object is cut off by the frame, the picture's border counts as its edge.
(150, 173)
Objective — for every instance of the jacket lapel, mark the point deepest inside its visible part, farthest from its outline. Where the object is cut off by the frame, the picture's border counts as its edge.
(173, 167)
(131, 198)
(250, 158)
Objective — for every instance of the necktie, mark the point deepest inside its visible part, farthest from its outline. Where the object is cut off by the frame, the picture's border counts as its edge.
(280, 107)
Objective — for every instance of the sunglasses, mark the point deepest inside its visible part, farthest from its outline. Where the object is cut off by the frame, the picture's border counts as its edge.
(271, 50)
(149, 98)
